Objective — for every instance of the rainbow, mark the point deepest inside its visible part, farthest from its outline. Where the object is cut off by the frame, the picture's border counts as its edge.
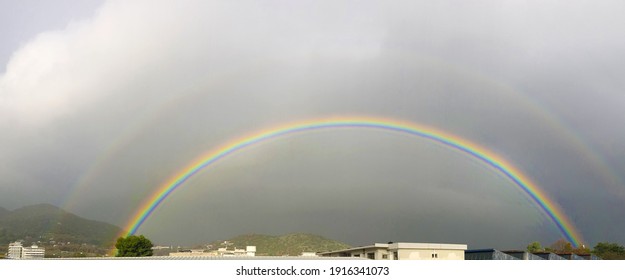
(548, 206)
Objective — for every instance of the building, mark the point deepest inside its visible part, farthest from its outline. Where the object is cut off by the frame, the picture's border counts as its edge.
(309, 254)
(492, 254)
(17, 251)
(33, 252)
(250, 251)
(487, 254)
(589, 257)
(403, 251)
(549, 256)
(523, 255)
(191, 253)
(571, 256)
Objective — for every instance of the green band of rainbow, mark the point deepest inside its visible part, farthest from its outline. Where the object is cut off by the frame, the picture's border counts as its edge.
(549, 208)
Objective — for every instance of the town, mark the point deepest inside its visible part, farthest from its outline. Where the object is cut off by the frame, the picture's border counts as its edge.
(376, 251)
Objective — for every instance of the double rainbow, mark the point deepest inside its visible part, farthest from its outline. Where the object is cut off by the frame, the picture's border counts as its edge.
(548, 207)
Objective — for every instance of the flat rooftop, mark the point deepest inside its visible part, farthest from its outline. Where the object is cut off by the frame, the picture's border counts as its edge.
(404, 245)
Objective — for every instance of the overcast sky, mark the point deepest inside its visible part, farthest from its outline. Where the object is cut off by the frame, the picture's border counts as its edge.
(103, 101)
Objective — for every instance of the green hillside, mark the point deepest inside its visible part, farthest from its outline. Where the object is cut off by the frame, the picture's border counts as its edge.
(291, 244)
(45, 222)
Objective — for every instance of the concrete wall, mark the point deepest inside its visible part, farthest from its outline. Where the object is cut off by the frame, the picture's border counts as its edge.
(364, 253)
(440, 254)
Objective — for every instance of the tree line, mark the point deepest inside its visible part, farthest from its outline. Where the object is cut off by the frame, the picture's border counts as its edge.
(604, 250)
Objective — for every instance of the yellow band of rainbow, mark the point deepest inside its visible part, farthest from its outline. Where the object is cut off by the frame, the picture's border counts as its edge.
(548, 207)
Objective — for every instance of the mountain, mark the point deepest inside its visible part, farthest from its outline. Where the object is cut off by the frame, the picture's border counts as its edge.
(4, 212)
(47, 222)
(291, 244)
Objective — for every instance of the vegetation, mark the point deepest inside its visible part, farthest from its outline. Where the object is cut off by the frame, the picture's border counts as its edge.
(61, 233)
(45, 222)
(535, 247)
(606, 251)
(133, 246)
(561, 246)
(609, 251)
(290, 244)
(4, 212)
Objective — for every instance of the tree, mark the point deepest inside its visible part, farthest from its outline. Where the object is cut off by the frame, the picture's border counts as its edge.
(133, 246)
(583, 250)
(561, 247)
(609, 251)
(534, 247)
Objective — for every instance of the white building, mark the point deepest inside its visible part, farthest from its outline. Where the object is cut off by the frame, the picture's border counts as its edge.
(17, 251)
(192, 253)
(250, 251)
(33, 252)
(403, 251)
(309, 254)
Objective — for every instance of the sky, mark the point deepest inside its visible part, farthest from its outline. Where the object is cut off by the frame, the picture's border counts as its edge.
(101, 102)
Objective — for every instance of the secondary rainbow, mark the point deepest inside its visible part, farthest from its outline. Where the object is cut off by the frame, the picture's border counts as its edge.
(537, 195)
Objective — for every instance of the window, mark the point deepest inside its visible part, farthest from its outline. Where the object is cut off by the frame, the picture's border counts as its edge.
(356, 255)
(371, 256)
(395, 256)
(435, 256)
(385, 256)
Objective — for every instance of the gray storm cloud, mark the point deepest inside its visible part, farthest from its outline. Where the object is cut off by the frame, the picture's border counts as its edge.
(99, 114)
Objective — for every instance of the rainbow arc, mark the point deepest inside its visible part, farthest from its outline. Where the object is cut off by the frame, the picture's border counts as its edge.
(551, 209)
